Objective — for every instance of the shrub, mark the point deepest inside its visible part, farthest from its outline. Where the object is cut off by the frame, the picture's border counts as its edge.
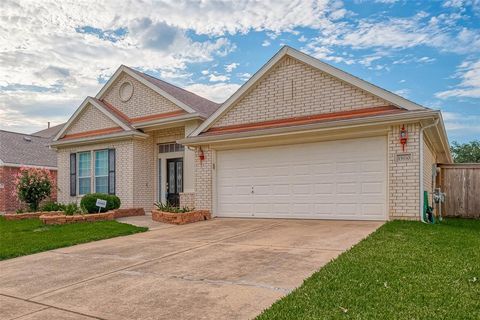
(167, 207)
(71, 208)
(52, 206)
(88, 202)
(32, 185)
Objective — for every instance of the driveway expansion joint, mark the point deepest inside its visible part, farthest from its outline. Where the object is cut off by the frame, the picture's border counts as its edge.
(47, 306)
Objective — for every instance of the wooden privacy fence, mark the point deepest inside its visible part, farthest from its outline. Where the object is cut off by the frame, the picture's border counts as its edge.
(461, 183)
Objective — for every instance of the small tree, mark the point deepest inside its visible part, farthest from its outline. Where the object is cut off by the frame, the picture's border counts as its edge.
(33, 185)
(466, 152)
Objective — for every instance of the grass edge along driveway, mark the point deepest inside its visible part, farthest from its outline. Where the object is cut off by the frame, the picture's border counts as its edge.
(404, 270)
(23, 237)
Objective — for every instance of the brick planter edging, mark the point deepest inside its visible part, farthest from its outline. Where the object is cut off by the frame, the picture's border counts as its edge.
(64, 219)
(30, 215)
(60, 217)
(131, 212)
(180, 218)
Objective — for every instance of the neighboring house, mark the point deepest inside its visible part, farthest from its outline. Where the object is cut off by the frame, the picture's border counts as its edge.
(300, 139)
(24, 150)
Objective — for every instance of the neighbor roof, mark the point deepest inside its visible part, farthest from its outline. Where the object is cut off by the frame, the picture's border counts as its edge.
(27, 150)
(49, 132)
(197, 103)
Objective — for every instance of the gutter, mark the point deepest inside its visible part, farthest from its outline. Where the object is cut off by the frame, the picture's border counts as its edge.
(103, 138)
(422, 189)
(322, 126)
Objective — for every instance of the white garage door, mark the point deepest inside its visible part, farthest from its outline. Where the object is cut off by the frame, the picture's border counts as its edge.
(343, 179)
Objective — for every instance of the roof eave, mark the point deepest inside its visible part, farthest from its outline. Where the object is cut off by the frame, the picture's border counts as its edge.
(322, 126)
(101, 138)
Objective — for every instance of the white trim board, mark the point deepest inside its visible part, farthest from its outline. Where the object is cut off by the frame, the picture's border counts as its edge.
(315, 63)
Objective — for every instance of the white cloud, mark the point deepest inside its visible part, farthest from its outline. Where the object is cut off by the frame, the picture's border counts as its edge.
(218, 92)
(205, 72)
(218, 78)
(230, 67)
(244, 76)
(469, 86)
(266, 43)
(460, 125)
(302, 39)
(53, 50)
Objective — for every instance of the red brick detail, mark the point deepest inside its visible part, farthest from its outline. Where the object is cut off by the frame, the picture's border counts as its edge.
(92, 133)
(180, 218)
(131, 212)
(116, 111)
(8, 200)
(343, 115)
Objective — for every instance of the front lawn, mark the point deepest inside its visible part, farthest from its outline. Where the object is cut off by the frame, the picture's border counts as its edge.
(18, 238)
(405, 270)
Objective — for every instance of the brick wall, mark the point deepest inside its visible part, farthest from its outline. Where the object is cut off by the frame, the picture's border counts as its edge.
(124, 170)
(90, 119)
(136, 172)
(203, 179)
(404, 177)
(293, 88)
(8, 202)
(143, 102)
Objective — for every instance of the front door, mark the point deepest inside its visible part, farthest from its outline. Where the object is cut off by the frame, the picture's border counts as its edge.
(174, 180)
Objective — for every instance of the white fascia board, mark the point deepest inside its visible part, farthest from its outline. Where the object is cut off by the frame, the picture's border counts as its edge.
(330, 125)
(167, 121)
(100, 138)
(315, 63)
(145, 82)
(79, 111)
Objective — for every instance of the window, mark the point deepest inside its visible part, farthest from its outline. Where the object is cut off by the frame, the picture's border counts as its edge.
(84, 172)
(170, 147)
(101, 171)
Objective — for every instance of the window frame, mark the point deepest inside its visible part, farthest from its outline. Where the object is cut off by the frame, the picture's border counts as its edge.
(89, 176)
(94, 173)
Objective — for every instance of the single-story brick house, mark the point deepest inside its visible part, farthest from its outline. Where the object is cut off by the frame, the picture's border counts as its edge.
(300, 139)
(19, 150)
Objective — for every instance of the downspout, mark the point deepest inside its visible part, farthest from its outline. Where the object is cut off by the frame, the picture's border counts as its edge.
(421, 167)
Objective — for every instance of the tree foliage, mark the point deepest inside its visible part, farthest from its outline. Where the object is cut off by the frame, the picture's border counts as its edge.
(32, 185)
(466, 152)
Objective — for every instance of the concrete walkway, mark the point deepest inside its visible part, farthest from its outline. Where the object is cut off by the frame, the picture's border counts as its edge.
(218, 269)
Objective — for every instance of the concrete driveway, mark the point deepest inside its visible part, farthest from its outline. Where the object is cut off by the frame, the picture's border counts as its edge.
(218, 269)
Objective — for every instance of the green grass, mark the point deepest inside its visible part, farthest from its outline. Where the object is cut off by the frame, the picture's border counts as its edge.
(19, 238)
(405, 270)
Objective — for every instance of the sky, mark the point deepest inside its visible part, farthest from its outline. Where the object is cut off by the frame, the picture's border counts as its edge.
(55, 53)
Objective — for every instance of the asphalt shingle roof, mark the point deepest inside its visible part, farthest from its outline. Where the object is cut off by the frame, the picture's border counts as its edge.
(49, 132)
(24, 149)
(201, 105)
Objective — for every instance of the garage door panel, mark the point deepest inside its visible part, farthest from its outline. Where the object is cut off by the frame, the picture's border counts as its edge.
(328, 180)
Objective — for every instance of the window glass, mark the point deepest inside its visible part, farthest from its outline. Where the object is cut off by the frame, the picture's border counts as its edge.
(101, 171)
(84, 166)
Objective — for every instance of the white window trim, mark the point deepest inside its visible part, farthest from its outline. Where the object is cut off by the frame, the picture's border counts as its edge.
(78, 173)
(94, 176)
(162, 179)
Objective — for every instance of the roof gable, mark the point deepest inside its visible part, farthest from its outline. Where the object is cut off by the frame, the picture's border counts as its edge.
(175, 97)
(90, 116)
(312, 63)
